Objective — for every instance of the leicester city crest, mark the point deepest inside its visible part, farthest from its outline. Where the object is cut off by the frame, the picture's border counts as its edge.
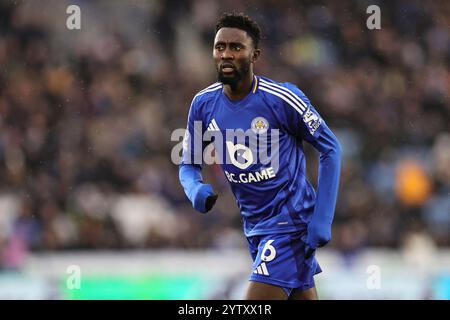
(260, 125)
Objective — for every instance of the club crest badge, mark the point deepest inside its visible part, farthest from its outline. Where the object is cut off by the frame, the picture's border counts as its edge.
(260, 125)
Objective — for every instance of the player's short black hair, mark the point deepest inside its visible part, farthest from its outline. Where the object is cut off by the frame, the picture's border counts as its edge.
(240, 21)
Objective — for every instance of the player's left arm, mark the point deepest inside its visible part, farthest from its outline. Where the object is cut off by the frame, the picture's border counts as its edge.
(319, 228)
(310, 126)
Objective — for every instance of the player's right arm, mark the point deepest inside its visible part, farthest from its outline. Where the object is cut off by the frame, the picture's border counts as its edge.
(199, 193)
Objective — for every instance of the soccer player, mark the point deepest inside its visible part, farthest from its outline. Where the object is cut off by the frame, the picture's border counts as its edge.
(284, 219)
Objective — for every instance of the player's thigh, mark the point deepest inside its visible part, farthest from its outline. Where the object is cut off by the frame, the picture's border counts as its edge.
(308, 294)
(264, 291)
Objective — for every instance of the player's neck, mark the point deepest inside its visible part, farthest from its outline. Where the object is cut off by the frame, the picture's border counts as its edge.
(242, 88)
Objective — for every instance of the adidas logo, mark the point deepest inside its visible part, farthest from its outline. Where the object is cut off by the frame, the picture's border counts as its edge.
(261, 269)
(213, 126)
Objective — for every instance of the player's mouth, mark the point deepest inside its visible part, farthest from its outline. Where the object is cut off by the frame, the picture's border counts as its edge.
(227, 68)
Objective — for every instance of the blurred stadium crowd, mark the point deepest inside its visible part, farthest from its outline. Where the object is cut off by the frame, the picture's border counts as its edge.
(86, 118)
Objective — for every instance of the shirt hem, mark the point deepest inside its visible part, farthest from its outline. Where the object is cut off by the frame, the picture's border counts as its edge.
(275, 231)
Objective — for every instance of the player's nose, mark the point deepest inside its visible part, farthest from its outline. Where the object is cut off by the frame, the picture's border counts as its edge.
(227, 55)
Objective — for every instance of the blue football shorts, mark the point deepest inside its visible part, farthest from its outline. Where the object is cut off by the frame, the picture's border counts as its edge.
(279, 259)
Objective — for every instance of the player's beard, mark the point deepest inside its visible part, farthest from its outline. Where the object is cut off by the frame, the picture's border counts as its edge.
(237, 75)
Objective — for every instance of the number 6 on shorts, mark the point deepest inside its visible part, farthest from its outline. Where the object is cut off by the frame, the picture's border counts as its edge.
(272, 252)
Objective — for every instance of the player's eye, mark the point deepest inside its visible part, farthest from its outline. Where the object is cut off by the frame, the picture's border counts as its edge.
(219, 47)
(238, 48)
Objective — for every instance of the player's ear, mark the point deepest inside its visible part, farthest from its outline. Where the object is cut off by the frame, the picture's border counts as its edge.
(255, 55)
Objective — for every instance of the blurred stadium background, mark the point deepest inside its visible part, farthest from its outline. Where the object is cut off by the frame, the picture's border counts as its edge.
(85, 123)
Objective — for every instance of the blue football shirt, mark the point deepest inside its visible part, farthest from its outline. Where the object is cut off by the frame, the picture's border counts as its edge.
(259, 142)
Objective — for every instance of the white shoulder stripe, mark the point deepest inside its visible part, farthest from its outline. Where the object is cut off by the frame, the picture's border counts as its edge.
(205, 91)
(289, 101)
(287, 91)
(284, 93)
(210, 87)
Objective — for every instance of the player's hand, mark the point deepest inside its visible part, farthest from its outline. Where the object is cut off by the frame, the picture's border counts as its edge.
(204, 198)
(210, 202)
(318, 236)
